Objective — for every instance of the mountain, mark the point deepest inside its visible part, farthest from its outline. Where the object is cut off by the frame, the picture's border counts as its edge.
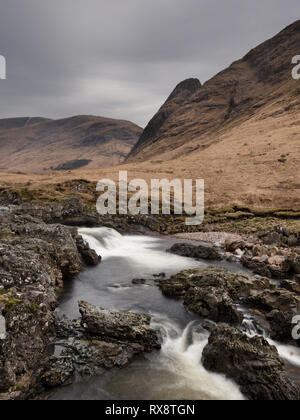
(176, 101)
(37, 144)
(9, 123)
(239, 131)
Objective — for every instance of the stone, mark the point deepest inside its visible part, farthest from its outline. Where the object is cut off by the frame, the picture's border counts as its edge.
(251, 362)
(205, 252)
(126, 327)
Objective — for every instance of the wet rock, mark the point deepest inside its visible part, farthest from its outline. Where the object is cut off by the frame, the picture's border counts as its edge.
(100, 340)
(212, 292)
(35, 259)
(90, 257)
(139, 281)
(160, 276)
(214, 304)
(206, 252)
(127, 327)
(58, 372)
(236, 285)
(278, 307)
(251, 362)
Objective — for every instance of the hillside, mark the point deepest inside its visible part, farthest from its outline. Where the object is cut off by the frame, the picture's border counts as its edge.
(10, 123)
(236, 94)
(239, 131)
(36, 144)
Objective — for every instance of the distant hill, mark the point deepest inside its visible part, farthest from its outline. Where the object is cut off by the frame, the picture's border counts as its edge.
(9, 123)
(38, 144)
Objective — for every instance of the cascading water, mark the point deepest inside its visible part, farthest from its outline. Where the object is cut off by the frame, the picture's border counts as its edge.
(176, 371)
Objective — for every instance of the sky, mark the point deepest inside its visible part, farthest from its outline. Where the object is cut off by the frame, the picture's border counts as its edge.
(122, 58)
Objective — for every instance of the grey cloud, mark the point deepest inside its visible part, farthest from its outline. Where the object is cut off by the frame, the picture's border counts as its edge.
(121, 58)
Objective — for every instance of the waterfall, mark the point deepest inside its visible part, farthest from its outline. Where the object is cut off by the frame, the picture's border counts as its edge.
(181, 355)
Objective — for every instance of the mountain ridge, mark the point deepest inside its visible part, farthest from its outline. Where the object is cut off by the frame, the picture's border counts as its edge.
(37, 144)
(236, 91)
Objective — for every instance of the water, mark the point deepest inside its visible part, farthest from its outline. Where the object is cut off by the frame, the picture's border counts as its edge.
(176, 371)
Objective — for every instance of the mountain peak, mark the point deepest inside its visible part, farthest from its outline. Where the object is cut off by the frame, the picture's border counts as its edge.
(185, 88)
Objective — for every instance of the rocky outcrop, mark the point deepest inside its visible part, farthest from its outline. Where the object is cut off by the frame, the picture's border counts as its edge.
(212, 292)
(127, 327)
(205, 252)
(278, 307)
(101, 339)
(272, 261)
(35, 259)
(251, 362)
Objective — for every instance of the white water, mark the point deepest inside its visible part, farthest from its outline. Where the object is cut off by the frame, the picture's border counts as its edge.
(176, 371)
(140, 251)
(289, 353)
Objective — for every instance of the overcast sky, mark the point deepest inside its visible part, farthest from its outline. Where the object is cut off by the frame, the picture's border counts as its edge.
(122, 58)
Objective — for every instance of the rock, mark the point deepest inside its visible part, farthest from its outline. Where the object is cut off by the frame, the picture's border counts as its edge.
(35, 259)
(292, 241)
(139, 281)
(59, 371)
(212, 292)
(279, 307)
(292, 286)
(251, 362)
(160, 276)
(126, 327)
(205, 252)
(100, 340)
(90, 257)
(214, 304)
(236, 285)
(272, 238)
(232, 244)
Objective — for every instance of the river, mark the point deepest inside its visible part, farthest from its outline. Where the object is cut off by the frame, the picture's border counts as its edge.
(176, 371)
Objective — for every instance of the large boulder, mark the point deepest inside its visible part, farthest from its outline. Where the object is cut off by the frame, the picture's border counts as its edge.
(125, 327)
(205, 252)
(251, 362)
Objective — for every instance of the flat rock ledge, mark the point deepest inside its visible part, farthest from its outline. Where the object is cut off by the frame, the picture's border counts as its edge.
(125, 326)
(251, 362)
(101, 339)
